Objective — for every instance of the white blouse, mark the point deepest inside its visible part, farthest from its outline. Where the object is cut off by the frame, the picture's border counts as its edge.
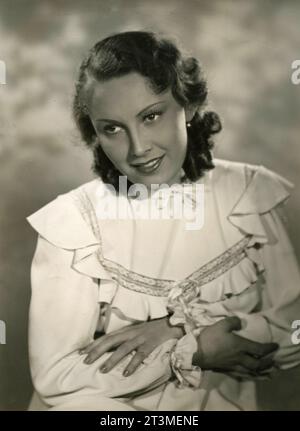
(90, 274)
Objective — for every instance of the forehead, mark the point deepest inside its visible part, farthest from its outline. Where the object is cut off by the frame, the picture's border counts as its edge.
(126, 94)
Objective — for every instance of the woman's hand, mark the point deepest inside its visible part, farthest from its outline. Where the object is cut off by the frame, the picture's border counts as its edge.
(142, 337)
(221, 350)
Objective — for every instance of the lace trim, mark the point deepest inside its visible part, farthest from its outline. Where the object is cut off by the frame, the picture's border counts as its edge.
(155, 286)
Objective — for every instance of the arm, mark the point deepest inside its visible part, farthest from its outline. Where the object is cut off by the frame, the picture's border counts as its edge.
(280, 297)
(63, 316)
(279, 289)
(281, 294)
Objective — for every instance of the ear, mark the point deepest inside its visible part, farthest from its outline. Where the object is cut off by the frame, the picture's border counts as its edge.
(190, 111)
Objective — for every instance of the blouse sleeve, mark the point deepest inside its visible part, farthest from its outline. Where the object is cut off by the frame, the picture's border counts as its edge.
(62, 319)
(259, 212)
(281, 296)
(264, 288)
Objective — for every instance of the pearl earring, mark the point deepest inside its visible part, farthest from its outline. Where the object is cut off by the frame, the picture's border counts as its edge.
(188, 124)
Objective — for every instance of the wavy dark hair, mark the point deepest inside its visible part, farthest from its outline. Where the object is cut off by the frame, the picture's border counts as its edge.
(166, 67)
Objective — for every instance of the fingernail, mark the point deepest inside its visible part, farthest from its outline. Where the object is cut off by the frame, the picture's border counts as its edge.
(88, 360)
(81, 352)
(103, 369)
(126, 373)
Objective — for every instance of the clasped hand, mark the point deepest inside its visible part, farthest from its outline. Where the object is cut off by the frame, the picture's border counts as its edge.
(142, 337)
(219, 349)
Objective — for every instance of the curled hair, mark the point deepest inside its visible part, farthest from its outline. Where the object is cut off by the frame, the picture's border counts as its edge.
(165, 67)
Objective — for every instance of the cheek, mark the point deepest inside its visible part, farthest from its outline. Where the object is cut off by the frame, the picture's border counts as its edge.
(178, 137)
(115, 153)
(175, 131)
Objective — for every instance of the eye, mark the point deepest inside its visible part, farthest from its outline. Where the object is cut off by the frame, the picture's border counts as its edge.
(111, 129)
(153, 116)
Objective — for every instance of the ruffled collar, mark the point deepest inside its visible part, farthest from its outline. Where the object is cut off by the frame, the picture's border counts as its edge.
(243, 193)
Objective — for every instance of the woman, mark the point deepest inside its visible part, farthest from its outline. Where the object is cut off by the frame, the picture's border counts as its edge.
(193, 316)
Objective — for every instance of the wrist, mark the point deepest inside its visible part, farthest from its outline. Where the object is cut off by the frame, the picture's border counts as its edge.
(198, 357)
(177, 331)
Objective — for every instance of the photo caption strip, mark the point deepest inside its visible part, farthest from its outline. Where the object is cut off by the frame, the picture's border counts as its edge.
(164, 420)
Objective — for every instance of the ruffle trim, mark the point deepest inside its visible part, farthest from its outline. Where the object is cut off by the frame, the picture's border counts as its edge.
(207, 302)
(181, 359)
(264, 192)
(60, 223)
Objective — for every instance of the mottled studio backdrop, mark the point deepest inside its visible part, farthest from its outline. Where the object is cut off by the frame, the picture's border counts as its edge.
(246, 48)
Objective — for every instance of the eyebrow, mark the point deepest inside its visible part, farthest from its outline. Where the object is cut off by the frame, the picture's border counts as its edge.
(140, 113)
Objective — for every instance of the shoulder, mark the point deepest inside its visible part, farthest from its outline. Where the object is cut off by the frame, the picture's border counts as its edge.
(243, 192)
(227, 169)
(247, 186)
(61, 221)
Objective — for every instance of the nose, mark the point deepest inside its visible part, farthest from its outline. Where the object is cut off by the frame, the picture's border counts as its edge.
(139, 145)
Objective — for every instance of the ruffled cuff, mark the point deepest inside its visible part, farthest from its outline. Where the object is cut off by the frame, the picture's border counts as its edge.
(188, 311)
(181, 359)
(181, 310)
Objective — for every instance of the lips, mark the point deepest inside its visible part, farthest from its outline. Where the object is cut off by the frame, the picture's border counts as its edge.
(150, 166)
(148, 162)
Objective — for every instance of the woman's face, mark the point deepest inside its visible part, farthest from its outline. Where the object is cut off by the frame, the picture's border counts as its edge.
(142, 133)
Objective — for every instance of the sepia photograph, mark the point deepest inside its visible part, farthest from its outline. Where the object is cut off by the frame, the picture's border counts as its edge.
(149, 219)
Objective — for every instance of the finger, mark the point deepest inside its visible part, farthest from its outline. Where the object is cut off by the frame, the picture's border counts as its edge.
(89, 347)
(240, 376)
(102, 346)
(256, 367)
(257, 349)
(243, 371)
(249, 362)
(265, 364)
(122, 334)
(230, 324)
(136, 361)
(118, 355)
(233, 369)
(107, 339)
